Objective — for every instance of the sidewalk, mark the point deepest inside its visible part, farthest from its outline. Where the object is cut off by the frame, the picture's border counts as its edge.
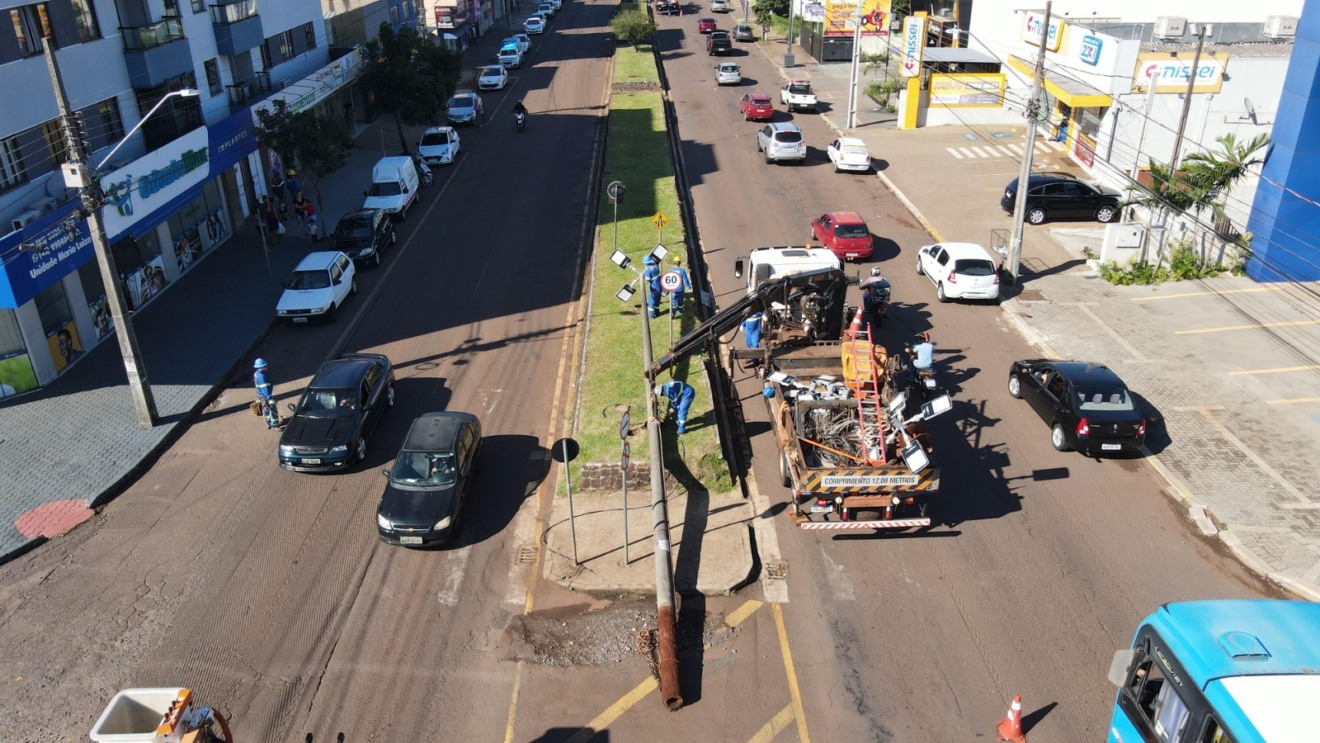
(1228, 365)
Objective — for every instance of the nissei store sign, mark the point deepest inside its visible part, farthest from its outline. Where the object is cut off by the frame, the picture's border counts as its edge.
(1033, 29)
(1170, 74)
(139, 188)
(914, 41)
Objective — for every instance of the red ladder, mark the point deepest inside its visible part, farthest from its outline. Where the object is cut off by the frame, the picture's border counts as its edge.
(864, 383)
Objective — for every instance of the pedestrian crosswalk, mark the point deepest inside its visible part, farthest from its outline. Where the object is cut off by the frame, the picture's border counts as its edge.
(1013, 151)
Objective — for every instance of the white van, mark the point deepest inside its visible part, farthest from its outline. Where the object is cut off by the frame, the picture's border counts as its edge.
(394, 183)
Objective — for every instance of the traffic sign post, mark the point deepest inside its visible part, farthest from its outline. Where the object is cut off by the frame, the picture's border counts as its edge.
(625, 458)
(659, 221)
(565, 451)
(670, 282)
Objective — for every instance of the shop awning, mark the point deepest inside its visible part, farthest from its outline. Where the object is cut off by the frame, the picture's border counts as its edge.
(1074, 93)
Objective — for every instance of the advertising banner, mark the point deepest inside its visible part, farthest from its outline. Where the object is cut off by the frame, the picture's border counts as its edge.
(146, 184)
(1033, 29)
(16, 374)
(65, 346)
(967, 90)
(914, 41)
(838, 17)
(1170, 73)
(876, 15)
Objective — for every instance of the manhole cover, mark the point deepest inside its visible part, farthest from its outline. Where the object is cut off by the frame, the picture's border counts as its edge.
(776, 569)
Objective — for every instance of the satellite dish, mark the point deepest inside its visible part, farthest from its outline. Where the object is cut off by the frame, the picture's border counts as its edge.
(1251, 110)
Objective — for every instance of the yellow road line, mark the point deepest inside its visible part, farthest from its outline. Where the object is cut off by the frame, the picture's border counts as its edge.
(737, 616)
(1291, 323)
(1277, 370)
(776, 726)
(793, 691)
(1207, 293)
(1288, 401)
(613, 711)
(513, 703)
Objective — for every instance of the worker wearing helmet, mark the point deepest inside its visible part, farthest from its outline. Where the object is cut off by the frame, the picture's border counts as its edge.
(680, 396)
(677, 296)
(265, 393)
(652, 278)
(875, 300)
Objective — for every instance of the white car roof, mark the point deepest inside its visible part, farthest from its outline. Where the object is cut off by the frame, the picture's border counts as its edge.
(965, 250)
(320, 259)
(1278, 706)
(851, 142)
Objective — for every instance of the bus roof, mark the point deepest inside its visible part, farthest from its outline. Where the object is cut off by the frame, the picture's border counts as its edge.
(1246, 637)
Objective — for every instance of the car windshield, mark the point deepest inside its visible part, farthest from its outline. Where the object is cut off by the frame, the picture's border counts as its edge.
(424, 468)
(851, 230)
(461, 104)
(388, 188)
(323, 403)
(1103, 398)
(974, 267)
(788, 136)
(495, 71)
(354, 228)
(799, 89)
(434, 139)
(508, 51)
(316, 279)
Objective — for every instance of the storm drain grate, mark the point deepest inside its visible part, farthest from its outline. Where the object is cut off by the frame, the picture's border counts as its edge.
(526, 554)
(776, 569)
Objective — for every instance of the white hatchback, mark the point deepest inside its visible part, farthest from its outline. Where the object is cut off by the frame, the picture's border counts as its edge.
(439, 145)
(317, 287)
(493, 77)
(728, 73)
(534, 25)
(849, 153)
(959, 271)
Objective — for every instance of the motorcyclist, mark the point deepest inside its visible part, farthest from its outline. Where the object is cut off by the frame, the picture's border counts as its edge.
(519, 109)
(921, 356)
(875, 297)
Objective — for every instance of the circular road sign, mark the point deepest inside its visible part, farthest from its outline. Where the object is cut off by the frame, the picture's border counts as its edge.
(615, 191)
(564, 450)
(671, 281)
(624, 425)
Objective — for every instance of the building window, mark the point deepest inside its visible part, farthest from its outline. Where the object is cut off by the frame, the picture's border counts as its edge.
(11, 163)
(31, 23)
(286, 46)
(212, 68)
(56, 144)
(109, 126)
(172, 8)
(85, 17)
(310, 32)
(198, 6)
(394, 15)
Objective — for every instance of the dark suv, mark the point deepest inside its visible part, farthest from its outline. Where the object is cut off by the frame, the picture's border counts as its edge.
(337, 412)
(363, 233)
(718, 43)
(1057, 197)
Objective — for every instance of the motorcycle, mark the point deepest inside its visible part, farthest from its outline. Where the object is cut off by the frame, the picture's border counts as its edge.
(924, 379)
(519, 120)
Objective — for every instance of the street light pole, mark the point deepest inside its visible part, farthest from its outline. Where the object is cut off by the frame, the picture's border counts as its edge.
(76, 175)
(1024, 175)
(788, 52)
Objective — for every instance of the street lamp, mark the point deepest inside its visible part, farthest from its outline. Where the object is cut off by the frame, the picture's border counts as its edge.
(77, 175)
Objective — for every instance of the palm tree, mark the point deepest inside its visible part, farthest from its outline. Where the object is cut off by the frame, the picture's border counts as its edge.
(1204, 178)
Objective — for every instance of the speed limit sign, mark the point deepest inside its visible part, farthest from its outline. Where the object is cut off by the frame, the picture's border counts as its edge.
(671, 281)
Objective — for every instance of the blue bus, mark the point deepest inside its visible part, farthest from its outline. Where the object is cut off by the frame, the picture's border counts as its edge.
(1233, 671)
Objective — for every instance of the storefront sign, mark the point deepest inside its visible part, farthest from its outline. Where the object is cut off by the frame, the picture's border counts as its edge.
(914, 41)
(876, 15)
(232, 140)
(839, 15)
(1170, 73)
(139, 188)
(444, 16)
(43, 253)
(967, 90)
(1091, 46)
(1084, 149)
(1033, 28)
(316, 87)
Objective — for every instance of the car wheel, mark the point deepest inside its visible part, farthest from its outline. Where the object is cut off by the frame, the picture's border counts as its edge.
(1105, 214)
(1036, 215)
(836, 167)
(939, 292)
(330, 313)
(389, 395)
(920, 270)
(362, 449)
(768, 160)
(1015, 386)
(353, 289)
(1057, 437)
(375, 258)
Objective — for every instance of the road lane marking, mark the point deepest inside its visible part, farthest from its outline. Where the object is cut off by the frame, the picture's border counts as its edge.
(1276, 370)
(614, 711)
(737, 616)
(1291, 400)
(776, 726)
(1205, 294)
(448, 595)
(793, 690)
(1254, 326)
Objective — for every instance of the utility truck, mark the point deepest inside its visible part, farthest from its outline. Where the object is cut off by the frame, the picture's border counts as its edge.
(798, 96)
(160, 715)
(852, 451)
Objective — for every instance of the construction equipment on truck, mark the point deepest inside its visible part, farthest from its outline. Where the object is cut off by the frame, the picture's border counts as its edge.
(852, 453)
(159, 716)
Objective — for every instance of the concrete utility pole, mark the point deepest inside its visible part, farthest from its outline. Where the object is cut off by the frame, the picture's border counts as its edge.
(1187, 102)
(1024, 175)
(788, 52)
(856, 60)
(92, 200)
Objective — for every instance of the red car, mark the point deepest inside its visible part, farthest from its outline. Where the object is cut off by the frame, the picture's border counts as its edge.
(844, 233)
(756, 107)
(705, 25)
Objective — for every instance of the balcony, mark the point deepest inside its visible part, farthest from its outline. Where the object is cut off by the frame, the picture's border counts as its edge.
(156, 53)
(237, 27)
(243, 93)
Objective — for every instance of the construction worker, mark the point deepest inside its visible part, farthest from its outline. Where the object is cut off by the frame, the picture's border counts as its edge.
(265, 393)
(680, 396)
(676, 298)
(652, 277)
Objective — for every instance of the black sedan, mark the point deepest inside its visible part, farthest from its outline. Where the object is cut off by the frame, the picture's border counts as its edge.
(1061, 197)
(1087, 406)
(342, 406)
(423, 504)
(363, 234)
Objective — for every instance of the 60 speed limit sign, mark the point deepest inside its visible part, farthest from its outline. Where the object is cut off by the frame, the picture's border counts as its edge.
(671, 281)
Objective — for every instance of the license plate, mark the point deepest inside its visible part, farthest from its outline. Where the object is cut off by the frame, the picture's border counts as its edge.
(311, 461)
(410, 540)
(1111, 447)
(300, 319)
(822, 509)
(930, 383)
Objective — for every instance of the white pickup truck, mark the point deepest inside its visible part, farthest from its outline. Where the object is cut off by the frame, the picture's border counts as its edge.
(798, 96)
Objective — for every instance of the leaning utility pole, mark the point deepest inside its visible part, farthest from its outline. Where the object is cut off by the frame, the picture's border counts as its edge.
(1187, 102)
(856, 60)
(1024, 175)
(77, 174)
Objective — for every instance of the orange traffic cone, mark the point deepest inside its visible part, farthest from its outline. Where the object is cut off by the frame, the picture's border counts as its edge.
(1010, 728)
(856, 325)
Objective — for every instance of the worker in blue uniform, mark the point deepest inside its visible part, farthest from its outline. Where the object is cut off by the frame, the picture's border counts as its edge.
(265, 393)
(680, 396)
(652, 278)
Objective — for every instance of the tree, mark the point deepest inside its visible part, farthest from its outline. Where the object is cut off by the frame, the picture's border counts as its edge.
(763, 9)
(409, 76)
(634, 27)
(316, 143)
(1204, 178)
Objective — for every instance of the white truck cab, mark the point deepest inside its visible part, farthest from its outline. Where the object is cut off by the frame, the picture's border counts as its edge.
(394, 183)
(765, 264)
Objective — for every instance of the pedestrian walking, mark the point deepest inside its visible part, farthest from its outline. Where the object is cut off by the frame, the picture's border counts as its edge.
(265, 393)
(277, 184)
(274, 229)
(676, 298)
(294, 186)
(652, 277)
(680, 396)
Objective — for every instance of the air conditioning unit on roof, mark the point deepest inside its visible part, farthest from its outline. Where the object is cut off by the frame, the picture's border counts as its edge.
(1170, 27)
(1281, 26)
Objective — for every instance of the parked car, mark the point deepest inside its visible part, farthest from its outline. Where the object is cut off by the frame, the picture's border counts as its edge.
(781, 141)
(558, 4)
(317, 287)
(544, 16)
(439, 145)
(668, 7)
(494, 76)
(959, 271)
(728, 73)
(743, 32)
(463, 107)
(394, 183)
(1086, 406)
(509, 56)
(849, 153)
(363, 234)
(718, 42)
(706, 25)
(844, 233)
(425, 498)
(547, 8)
(1058, 197)
(534, 25)
(756, 107)
(719, 6)
(523, 41)
(339, 410)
